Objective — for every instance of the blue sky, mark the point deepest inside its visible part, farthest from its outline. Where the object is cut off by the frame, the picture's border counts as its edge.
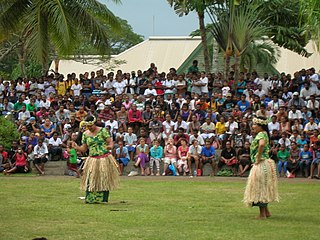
(153, 17)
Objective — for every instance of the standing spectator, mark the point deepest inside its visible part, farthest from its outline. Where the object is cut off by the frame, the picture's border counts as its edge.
(86, 85)
(293, 163)
(316, 160)
(76, 88)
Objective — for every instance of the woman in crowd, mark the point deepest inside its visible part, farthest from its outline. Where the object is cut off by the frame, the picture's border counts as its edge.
(262, 184)
(100, 171)
(244, 159)
(142, 151)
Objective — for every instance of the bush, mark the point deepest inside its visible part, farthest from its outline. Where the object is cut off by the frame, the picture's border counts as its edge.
(8, 132)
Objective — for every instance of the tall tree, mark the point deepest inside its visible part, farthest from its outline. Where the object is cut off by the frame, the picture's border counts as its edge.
(57, 23)
(183, 7)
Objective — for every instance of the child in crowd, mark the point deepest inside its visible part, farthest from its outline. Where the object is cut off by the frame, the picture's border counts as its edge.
(156, 154)
(71, 155)
(122, 156)
(283, 157)
(305, 159)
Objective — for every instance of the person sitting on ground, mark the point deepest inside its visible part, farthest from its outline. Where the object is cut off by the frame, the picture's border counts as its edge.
(170, 156)
(142, 158)
(228, 157)
(156, 154)
(244, 159)
(122, 156)
(207, 156)
(183, 158)
(20, 165)
(40, 156)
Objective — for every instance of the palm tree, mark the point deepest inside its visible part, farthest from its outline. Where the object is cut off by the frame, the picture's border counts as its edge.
(56, 24)
(183, 7)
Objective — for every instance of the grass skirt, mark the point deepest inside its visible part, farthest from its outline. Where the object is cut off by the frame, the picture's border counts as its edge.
(100, 174)
(262, 184)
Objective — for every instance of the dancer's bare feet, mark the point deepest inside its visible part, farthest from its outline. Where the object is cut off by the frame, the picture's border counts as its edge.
(260, 217)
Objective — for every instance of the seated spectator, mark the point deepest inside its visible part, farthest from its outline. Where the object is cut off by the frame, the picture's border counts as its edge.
(155, 127)
(40, 156)
(207, 156)
(296, 101)
(284, 140)
(316, 160)
(228, 157)
(156, 154)
(130, 140)
(294, 114)
(122, 156)
(180, 124)
(183, 158)
(4, 162)
(167, 128)
(305, 160)
(122, 117)
(244, 159)
(207, 129)
(55, 147)
(283, 157)
(144, 134)
(180, 136)
(194, 124)
(135, 118)
(20, 163)
(170, 156)
(142, 158)
(194, 156)
(47, 128)
(273, 125)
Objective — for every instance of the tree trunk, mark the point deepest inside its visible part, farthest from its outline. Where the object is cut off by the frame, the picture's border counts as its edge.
(215, 56)
(227, 66)
(204, 41)
(56, 64)
(22, 59)
(236, 70)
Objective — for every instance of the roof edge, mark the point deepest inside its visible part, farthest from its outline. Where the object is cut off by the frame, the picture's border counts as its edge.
(174, 38)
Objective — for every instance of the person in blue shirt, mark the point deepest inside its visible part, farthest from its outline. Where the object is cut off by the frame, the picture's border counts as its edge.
(243, 103)
(208, 156)
(156, 154)
(305, 159)
(122, 156)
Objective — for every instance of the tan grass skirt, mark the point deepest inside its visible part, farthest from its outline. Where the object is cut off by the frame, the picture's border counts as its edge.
(262, 184)
(100, 174)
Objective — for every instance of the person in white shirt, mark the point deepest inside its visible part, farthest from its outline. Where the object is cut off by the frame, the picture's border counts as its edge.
(23, 115)
(307, 91)
(150, 91)
(119, 86)
(294, 113)
(204, 82)
(109, 85)
(76, 88)
(273, 125)
(55, 147)
(113, 125)
(276, 103)
(313, 104)
(260, 92)
(314, 78)
(40, 153)
(2, 88)
(168, 126)
(169, 85)
(310, 126)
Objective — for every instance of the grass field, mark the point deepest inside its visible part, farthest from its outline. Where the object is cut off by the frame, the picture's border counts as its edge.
(155, 208)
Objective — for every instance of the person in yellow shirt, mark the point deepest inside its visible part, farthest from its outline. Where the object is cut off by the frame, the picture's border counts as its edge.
(61, 86)
(221, 129)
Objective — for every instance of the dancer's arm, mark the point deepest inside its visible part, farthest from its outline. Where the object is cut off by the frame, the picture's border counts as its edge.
(260, 150)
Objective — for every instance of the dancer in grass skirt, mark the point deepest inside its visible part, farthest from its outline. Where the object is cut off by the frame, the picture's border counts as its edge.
(100, 171)
(262, 184)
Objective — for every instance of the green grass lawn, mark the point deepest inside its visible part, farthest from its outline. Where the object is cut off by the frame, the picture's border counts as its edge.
(155, 208)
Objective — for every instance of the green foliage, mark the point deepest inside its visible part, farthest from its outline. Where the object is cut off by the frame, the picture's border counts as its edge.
(33, 69)
(58, 23)
(8, 132)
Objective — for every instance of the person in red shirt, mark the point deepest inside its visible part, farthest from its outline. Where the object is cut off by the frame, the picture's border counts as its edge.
(135, 118)
(20, 165)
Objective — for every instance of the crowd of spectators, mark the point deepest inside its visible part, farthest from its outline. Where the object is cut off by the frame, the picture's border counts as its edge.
(183, 120)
